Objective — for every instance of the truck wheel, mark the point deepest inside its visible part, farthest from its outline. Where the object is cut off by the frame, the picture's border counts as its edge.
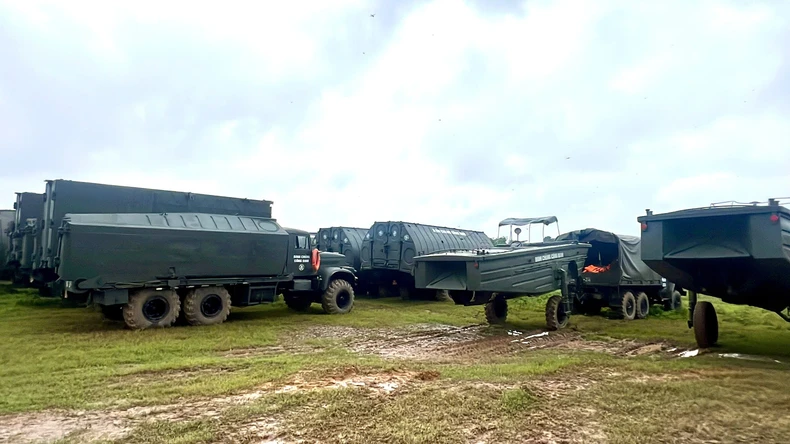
(642, 305)
(405, 293)
(338, 297)
(207, 305)
(496, 309)
(556, 317)
(628, 306)
(298, 302)
(706, 324)
(675, 302)
(151, 308)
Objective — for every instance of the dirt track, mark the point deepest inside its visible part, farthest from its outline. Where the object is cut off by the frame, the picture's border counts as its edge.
(434, 343)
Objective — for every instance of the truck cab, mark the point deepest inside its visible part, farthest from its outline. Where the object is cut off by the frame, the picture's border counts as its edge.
(302, 260)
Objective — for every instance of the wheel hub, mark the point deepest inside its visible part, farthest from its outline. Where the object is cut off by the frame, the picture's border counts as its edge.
(211, 305)
(343, 299)
(156, 308)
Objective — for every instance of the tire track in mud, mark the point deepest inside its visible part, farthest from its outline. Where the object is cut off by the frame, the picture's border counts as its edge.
(438, 343)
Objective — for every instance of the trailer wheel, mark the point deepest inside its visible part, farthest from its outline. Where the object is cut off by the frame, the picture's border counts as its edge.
(556, 316)
(151, 308)
(675, 302)
(706, 324)
(207, 306)
(628, 306)
(338, 297)
(298, 302)
(496, 309)
(642, 305)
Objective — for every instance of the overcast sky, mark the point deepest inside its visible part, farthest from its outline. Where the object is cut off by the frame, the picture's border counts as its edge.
(446, 112)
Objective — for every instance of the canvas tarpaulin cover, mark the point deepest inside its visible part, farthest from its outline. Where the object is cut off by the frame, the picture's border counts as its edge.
(629, 254)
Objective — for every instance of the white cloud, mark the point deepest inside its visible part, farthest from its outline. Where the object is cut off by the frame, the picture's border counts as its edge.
(591, 111)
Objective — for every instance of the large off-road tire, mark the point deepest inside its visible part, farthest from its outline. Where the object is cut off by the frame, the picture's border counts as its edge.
(206, 305)
(628, 306)
(674, 303)
(670, 301)
(405, 292)
(642, 305)
(298, 301)
(706, 324)
(338, 297)
(556, 316)
(496, 309)
(149, 308)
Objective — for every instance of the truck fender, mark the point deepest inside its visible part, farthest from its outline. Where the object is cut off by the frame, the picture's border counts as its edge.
(327, 274)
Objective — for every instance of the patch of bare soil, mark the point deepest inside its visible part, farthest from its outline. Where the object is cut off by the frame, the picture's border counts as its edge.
(114, 424)
(445, 343)
(476, 343)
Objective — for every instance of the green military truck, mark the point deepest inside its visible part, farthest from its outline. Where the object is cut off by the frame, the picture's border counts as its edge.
(148, 269)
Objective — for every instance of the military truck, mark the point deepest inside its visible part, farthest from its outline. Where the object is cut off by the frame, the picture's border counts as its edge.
(615, 276)
(388, 252)
(22, 235)
(66, 196)
(347, 241)
(147, 268)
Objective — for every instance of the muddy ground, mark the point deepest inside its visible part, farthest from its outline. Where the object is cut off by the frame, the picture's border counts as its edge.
(419, 343)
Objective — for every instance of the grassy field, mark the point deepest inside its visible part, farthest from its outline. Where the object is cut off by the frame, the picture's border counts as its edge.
(390, 371)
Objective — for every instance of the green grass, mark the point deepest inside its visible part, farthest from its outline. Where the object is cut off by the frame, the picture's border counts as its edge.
(57, 357)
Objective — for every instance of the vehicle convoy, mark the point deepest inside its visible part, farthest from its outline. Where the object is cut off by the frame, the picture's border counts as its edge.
(389, 250)
(739, 253)
(614, 276)
(66, 196)
(148, 268)
(347, 241)
(493, 275)
(22, 237)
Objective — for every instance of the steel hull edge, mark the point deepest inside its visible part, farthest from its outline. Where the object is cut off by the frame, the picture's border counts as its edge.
(738, 254)
(528, 270)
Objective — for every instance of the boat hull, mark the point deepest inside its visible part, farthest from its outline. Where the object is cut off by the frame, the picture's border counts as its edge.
(529, 270)
(738, 254)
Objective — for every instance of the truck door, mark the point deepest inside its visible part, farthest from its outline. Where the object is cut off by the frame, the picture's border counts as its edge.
(299, 255)
(394, 246)
(380, 246)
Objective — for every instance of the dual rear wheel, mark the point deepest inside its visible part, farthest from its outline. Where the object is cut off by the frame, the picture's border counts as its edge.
(151, 308)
